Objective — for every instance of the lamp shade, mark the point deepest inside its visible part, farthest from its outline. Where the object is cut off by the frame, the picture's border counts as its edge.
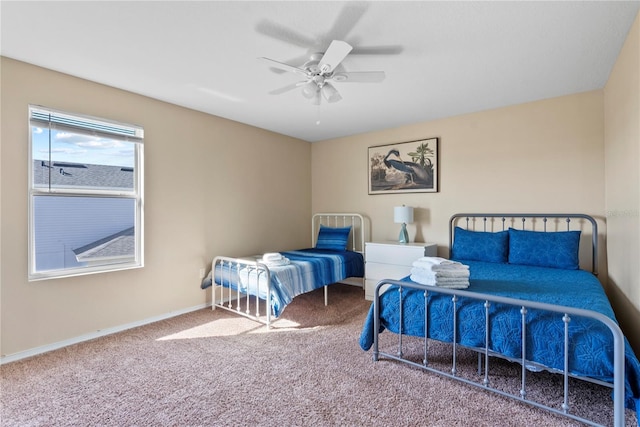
(403, 214)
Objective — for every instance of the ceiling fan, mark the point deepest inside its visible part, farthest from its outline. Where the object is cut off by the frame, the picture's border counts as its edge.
(320, 70)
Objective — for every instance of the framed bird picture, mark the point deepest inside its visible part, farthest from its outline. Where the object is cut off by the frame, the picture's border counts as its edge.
(406, 167)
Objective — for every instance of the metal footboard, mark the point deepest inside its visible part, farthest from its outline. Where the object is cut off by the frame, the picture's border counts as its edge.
(565, 313)
(246, 302)
(226, 272)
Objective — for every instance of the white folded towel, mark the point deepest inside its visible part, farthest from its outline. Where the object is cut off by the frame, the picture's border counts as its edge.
(436, 271)
(272, 256)
(443, 283)
(430, 261)
(438, 264)
(428, 276)
(462, 273)
(274, 259)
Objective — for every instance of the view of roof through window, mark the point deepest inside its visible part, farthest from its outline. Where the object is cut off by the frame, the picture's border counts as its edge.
(84, 193)
(81, 160)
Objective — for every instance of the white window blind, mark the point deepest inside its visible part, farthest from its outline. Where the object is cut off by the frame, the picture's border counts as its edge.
(60, 120)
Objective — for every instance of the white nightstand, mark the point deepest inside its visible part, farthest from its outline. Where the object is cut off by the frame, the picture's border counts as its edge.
(391, 260)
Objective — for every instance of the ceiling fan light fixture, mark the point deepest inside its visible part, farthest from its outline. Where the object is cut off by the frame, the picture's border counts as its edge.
(321, 68)
(310, 89)
(330, 93)
(316, 99)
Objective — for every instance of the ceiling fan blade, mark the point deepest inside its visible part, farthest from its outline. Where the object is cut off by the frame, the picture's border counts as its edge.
(377, 50)
(284, 89)
(338, 50)
(298, 60)
(349, 16)
(283, 66)
(360, 77)
(283, 33)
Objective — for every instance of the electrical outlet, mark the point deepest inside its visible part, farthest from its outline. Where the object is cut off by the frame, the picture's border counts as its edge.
(202, 273)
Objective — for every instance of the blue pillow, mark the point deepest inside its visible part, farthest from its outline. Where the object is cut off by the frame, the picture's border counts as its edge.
(480, 245)
(334, 239)
(555, 249)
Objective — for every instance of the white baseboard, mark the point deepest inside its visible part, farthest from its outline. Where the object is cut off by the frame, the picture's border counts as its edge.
(97, 334)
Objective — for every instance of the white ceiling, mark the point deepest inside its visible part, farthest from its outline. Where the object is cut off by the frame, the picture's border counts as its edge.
(440, 58)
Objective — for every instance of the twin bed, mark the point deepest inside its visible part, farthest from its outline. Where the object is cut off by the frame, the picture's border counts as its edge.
(527, 302)
(260, 286)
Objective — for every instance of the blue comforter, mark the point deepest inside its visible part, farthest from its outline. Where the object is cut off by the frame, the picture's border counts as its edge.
(309, 269)
(590, 341)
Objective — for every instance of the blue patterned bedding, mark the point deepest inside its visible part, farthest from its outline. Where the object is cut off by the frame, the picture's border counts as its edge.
(590, 341)
(309, 269)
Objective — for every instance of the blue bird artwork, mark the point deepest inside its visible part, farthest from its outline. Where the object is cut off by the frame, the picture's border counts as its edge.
(396, 169)
(414, 173)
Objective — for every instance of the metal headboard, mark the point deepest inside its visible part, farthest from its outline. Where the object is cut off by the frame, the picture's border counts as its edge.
(355, 220)
(527, 221)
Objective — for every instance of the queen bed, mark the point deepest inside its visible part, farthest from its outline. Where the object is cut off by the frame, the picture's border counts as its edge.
(260, 286)
(528, 301)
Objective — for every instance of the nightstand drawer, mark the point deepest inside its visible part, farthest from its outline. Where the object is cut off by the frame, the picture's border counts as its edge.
(394, 254)
(377, 271)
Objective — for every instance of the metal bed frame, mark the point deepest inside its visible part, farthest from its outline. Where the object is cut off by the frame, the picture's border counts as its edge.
(498, 222)
(249, 304)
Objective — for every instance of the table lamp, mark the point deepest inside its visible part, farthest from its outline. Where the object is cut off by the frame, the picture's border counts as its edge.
(403, 215)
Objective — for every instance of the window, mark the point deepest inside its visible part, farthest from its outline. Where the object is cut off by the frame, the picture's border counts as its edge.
(85, 195)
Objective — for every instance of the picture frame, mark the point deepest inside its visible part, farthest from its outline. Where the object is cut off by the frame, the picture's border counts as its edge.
(405, 167)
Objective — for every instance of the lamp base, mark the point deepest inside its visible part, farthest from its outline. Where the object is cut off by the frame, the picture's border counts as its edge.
(404, 236)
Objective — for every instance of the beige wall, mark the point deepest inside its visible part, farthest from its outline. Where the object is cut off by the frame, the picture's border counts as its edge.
(207, 192)
(544, 156)
(622, 163)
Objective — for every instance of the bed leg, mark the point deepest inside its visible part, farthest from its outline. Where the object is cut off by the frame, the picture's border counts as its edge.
(326, 295)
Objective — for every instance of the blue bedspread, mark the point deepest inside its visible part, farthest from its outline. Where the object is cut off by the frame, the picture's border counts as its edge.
(591, 349)
(309, 269)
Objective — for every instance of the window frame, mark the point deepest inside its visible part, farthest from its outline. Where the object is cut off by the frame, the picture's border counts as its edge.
(105, 128)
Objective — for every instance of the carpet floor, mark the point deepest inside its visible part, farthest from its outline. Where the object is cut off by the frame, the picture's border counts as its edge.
(214, 368)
